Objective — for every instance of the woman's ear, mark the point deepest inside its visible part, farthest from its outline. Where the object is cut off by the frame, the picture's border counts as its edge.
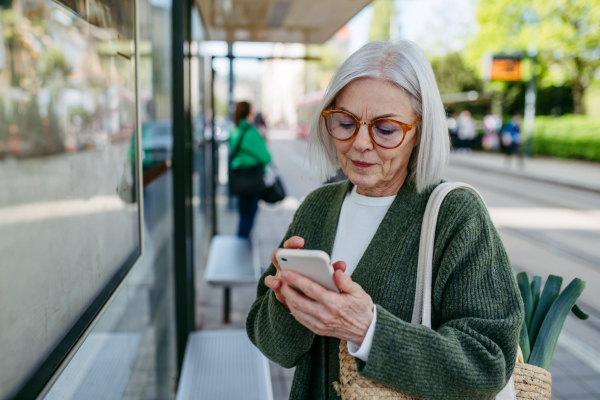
(417, 137)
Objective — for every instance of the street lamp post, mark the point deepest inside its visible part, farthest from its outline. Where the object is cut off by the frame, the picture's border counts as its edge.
(530, 97)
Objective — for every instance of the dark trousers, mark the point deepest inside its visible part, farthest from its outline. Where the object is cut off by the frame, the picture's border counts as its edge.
(248, 205)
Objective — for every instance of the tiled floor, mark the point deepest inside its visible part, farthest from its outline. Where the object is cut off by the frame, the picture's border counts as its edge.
(571, 379)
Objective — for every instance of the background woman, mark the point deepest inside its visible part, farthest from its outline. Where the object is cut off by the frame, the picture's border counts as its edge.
(383, 121)
(252, 152)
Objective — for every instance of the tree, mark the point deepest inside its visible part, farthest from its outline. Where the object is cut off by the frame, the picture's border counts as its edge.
(383, 13)
(565, 33)
(453, 76)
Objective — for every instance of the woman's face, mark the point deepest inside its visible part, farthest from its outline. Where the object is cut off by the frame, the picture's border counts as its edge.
(374, 170)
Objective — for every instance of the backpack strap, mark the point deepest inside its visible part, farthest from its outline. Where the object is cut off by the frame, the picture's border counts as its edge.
(239, 143)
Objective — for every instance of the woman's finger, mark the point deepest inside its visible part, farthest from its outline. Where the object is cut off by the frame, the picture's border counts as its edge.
(273, 282)
(345, 283)
(295, 242)
(310, 288)
(300, 302)
(274, 261)
(341, 265)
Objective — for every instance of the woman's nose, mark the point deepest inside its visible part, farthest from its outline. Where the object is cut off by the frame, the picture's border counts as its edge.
(362, 140)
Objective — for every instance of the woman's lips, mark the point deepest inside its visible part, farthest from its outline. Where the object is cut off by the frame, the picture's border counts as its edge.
(360, 164)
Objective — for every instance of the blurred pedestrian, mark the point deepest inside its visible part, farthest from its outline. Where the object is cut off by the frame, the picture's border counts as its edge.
(511, 138)
(491, 139)
(453, 130)
(248, 159)
(466, 132)
(382, 120)
(261, 125)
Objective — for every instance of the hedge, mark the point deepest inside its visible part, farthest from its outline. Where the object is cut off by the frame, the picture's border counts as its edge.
(569, 136)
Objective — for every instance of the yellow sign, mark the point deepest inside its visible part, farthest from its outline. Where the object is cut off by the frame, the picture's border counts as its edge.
(506, 69)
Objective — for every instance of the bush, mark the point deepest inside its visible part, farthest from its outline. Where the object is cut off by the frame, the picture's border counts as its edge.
(569, 136)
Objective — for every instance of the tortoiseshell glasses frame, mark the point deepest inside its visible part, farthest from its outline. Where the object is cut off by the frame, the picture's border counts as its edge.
(405, 127)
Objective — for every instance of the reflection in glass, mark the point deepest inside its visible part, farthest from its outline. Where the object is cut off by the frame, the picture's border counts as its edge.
(68, 212)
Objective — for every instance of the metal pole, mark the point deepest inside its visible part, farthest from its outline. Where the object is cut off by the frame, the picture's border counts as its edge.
(182, 179)
(213, 150)
(230, 55)
(530, 97)
(226, 304)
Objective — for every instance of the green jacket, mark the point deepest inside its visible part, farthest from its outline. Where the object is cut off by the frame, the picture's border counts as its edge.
(253, 150)
(477, 310)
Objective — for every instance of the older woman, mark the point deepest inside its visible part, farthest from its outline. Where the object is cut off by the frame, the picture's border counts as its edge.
(383, 121)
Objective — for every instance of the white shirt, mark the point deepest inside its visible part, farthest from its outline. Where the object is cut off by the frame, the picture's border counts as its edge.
(359, 219)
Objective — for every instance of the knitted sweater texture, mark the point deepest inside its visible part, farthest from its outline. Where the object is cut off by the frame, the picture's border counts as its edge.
(477, 311)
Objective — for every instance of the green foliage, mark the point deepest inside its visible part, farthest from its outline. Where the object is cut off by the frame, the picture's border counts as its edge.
(565, 32)
(570, 136)
(383, 11)
(453, 76)
(538, 339)
(543, 350)
(54, 62)
(331, 56)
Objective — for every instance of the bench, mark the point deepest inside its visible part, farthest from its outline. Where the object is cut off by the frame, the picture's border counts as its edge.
(224, 365)
(231, 262)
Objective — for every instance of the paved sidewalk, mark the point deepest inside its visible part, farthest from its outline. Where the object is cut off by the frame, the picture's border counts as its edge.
(573, 173)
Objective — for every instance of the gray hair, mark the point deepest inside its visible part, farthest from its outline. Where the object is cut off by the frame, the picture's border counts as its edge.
(403, 64)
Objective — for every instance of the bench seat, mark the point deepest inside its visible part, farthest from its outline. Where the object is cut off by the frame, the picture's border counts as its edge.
(224, 365)
(231, 261)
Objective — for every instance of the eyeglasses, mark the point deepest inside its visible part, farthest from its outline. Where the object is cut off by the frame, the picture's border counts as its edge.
(386, 133)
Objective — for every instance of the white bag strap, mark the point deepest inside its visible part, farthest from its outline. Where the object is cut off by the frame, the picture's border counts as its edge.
(422, 307)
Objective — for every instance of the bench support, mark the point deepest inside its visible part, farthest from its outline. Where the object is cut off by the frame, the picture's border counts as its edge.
(226, 304)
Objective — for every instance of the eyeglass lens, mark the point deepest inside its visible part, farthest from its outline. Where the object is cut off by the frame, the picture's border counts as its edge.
(385, 133)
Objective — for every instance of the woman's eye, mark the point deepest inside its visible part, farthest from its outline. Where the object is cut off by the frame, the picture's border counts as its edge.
(347, 125)
(382, 131)
(386, 128)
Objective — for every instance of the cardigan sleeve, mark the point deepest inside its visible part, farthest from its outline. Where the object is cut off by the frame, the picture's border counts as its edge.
(477, 313)
(272, 328)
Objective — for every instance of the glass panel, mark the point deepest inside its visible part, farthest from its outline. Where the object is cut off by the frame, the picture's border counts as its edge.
(130, 354)
(68, 210)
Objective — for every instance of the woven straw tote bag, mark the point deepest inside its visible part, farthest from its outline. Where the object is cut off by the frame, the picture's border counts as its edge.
(527, 382)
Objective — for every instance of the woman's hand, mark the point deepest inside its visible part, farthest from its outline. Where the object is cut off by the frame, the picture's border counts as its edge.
(274, 282)
(345, 315)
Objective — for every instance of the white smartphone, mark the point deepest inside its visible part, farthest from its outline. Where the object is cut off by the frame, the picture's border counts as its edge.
(313, 264)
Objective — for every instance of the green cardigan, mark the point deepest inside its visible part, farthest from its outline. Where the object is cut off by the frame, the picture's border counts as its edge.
(477, 310)
(253, 150)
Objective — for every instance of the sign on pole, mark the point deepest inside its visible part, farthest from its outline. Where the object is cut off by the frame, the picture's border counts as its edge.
(501, 68)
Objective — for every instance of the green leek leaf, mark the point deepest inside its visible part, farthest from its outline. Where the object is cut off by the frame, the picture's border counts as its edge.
(536, 288)
(543, 350)
(525, 289)
(579, 313)
(550, 293)
(524, 342)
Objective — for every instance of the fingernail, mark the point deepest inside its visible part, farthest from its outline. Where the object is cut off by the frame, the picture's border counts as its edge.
(284, 274)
